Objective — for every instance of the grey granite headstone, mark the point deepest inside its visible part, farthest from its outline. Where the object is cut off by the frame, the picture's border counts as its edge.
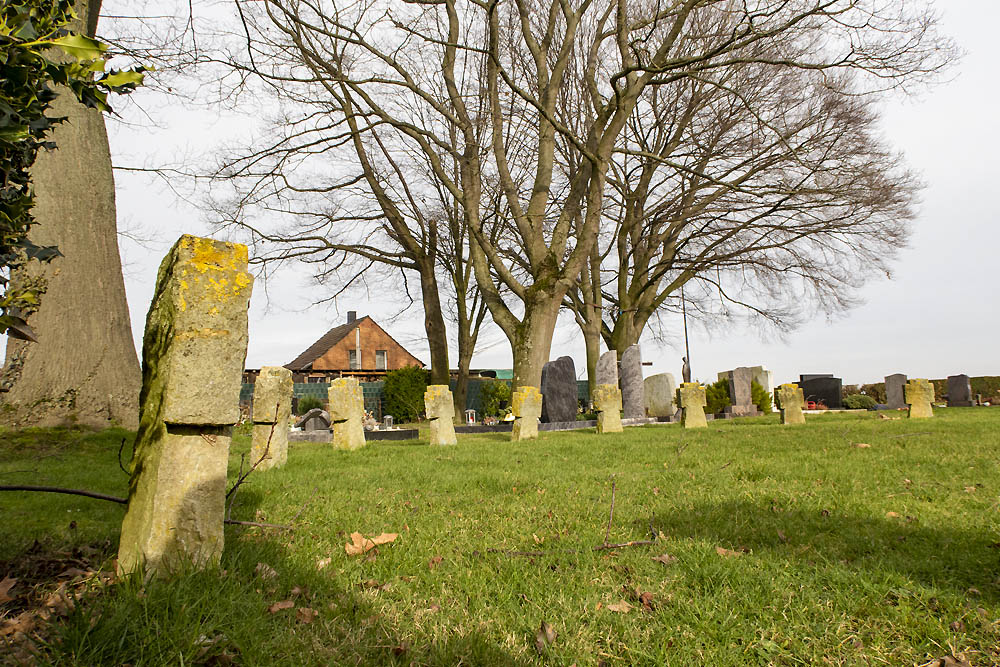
(607, 369)
(741, 404)
(659, 394)
(633, 403)
(894, 391)
(959, 391)
(560, 400)
(316, 419)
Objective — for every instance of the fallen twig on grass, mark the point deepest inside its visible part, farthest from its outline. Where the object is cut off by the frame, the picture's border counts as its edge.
(256, 524)
(681, 448)
(71, 492)
(906, 435)
(308, 500)
(611, 515)
(726, 466)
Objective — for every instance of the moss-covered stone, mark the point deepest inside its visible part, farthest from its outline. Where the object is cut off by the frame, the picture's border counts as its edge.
(347, 409)
(607, 400)
(272, 410)
(194, 347)
(526, 405)
(790, 400)
(919, 395)
(692, 399)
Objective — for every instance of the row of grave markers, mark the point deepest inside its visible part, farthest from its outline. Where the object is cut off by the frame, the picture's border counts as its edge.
(194, 348)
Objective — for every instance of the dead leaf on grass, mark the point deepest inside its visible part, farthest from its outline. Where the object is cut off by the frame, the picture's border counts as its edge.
(666, 559)
(862, 445)
(434, 562)
(622, 607)
(265, 571)
(970, 489)
(957, 626)
(947, 661)
(373, 584)
(305, 614)
(278, 606)
(434, 608)
(360, 544)
(646, 598)
(323, 562)
(891, 515)
(5, 586)
(728, 553)
(544, 637)
(782, 537)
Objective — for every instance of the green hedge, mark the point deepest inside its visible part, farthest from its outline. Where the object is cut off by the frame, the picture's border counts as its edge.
(403, 393)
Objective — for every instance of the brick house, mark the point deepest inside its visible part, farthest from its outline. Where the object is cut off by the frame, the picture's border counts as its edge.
(358, 348)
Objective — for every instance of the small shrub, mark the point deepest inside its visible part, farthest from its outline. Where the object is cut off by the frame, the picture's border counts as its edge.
(859, 402)
(760, 398)
(717, 397)
(307, 403)
(403, 393)
(494, 397)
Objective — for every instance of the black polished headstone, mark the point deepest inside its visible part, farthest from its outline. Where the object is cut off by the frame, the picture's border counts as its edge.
(824, 389)
(560, 401)
(894, 391)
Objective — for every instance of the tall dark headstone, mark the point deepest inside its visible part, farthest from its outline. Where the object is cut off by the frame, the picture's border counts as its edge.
(959, 391)
(559, 395)
(633, 394)
(894, 391)
(824, 389)
(741, 404)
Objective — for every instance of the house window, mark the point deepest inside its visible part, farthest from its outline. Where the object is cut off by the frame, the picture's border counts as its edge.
(353, 360)
(380, 357)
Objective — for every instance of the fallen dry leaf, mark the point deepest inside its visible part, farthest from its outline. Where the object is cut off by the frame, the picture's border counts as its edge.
(646, 598)
(622, 607)
(360, 544)
(957, 626)
(278, 606)
(305, 614)
(666, 559)
(265, 571)
(782, 537)
(434, 562)
(434, 608)
(862, 445)
(546, 635)
(727, 552)
(970, 489)
(322, 562)
(947, 661)
(5, 586)
(891, 515)
(400, 648)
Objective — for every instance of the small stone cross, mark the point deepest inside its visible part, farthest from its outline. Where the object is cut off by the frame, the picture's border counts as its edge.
(691, 397)
(790, 401)
(608, 403)
(439, 406)
(918, 395)
(526, 404)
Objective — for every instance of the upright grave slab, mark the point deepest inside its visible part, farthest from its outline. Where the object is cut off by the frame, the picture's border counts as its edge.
(607, 369)
(791, 401)
(824, 389)
(959, 391)
(919, 396)
(633, 403)
(894, 391)
(272, 408)
(193, 351)
(439, 405)
(347, 410)
(658, 392)
(740, 401)
(526, 405)
(560, 402)
(765, 379)
(607, 400)
(691, 398)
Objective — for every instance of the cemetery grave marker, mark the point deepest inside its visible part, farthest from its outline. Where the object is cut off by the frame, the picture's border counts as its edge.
(633, 403)
(919, 396)
(526, 405)
(959, 391)
(347, 411)
(272, 408)
(894, 391)
(791, 401)
(691, 397)
(559, 395)
(608, 403)
(659, 391)
(439, 406)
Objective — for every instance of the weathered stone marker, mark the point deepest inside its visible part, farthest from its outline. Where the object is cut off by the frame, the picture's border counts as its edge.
(560, 401)
(658, 391)
(608, 403)
(193, 351)
(894, 391)
(607, 369)
(919, 396)
(741, 403)
(790, 401)
(272, 408)
(633, 402)
(316, 419)
(439, 406)
(691, 398)
(526, 405)
(959, 391)
(347, 410)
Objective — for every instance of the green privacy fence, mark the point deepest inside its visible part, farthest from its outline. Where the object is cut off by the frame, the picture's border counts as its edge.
(373, 393)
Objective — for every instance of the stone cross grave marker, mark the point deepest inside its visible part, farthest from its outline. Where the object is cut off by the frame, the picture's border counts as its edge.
(691, 398)
(741, 403)
(560, 401)
(633, 402)
(526, 405)
(919, 396)
(608, 403)
(193, 350)
(658, 391)
(894, 391)
(606, 371)
(439, 405)
(791, 401)
(959, 391)
(272, 408)
(347, 410)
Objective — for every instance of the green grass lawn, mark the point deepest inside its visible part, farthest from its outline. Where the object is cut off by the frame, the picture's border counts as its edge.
(788, 546)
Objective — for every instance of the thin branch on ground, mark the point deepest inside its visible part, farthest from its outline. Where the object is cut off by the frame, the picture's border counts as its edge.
(726, 465)
(611, 515)
(308, 500)
(71, 492)
(256, 524)
(264, 455)
(906, 435)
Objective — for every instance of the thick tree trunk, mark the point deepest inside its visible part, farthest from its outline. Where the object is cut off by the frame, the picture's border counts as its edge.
(592, 340)
(532, 341)
(437, 333)
(84, 368)
(462, 384)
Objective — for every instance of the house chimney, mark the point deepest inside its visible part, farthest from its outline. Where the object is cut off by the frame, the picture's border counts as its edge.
(351, 316)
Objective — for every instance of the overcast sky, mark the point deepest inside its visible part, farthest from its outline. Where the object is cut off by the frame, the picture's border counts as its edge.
(935, 317)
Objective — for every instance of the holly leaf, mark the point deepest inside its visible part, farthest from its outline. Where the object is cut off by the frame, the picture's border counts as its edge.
(80, 47)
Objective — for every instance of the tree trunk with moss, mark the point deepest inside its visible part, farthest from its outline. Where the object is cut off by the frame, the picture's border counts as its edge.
(84, 367)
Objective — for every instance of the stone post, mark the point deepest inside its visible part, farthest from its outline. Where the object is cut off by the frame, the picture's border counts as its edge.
(919, 396)
(894, 391)
(790, 401)
(607, 369)
(272, 409)
(526, 404)
(347, 410)
(193, 351)
(608, 403)
(691, 398)
(440, 408)
(659, 391)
